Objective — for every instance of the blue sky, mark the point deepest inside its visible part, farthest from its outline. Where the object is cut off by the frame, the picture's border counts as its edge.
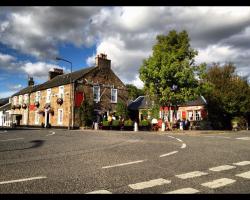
(31, 37)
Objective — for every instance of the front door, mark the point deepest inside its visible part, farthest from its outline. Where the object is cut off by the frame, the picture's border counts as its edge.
(47, 125)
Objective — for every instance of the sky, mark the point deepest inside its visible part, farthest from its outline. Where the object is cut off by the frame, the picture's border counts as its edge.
(32, 37)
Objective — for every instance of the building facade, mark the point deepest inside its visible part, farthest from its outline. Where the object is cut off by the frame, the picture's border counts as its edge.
(56, 103)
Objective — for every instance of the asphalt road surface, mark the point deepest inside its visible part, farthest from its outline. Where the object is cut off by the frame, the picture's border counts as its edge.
(110, 162)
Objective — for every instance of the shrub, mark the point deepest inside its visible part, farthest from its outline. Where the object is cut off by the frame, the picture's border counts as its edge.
(128, 123)
(144, 123)
(105, 123)
(115, 123)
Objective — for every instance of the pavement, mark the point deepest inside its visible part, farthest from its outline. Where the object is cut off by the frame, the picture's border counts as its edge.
(88, 161)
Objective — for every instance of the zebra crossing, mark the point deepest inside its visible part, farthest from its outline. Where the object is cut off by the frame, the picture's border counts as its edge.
(212, 184)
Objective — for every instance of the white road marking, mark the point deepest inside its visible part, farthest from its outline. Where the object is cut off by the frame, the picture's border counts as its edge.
(243, 138)
(148, 184)
(171, 137)
(3, 131)
(242, 163)
(183, 146)
(184, 191)
(100, 192)
(11, 139)
(221, 168)
(167, 154)
(179, 139)
(122, 164)
(218, 183)
(51, 134)
(217, 136)
(244, 175)
(191, 174)
(22, 180)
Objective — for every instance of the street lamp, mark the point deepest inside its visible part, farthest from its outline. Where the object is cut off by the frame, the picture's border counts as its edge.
(70, 93)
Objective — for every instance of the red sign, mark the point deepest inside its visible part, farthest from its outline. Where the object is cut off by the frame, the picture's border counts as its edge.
(32, 106)
(183, 114)
(79, 98)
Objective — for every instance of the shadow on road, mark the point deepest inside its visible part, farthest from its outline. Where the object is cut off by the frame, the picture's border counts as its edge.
(36, 144)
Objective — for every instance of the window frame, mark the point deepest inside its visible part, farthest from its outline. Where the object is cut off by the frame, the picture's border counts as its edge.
(61, 92)
(38, 96)
(116, 95)
(58, 117)
(48, 97)
(37, 117)
(98, 93)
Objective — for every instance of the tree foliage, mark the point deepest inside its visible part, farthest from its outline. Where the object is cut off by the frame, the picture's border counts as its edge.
(228, 97)
(134, 92)
(121, 109)
(169, 75)
(86, 113)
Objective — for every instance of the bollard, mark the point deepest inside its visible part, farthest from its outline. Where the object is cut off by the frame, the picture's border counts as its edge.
(163, 126)
(96, 126)
(135, 126)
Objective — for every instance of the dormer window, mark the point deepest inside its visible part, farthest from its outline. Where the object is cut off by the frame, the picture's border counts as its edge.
(113, 95)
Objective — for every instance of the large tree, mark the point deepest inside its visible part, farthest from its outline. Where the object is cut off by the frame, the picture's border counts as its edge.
(134, 92)
(229, 96)
(169, 75)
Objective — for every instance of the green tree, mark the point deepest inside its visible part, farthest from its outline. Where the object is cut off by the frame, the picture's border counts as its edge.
(134, 92)
(169, 75)
(229, 96)
(86, 113)
(121, 109)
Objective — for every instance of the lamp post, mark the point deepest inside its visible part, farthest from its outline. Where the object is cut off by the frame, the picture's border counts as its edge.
(70, 93)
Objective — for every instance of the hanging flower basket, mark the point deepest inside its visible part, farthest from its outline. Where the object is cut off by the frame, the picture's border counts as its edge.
(13, 107)
(51, 111)
(59, 101)
(37, 104)
(18, 106)
(24, 106)
(41, 112)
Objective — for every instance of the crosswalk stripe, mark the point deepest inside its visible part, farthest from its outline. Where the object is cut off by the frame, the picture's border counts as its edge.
(184, 191)
(218, 183)
(242, 163)
(100, 192)
(244, 175)
(191, 174)
(148, 184)
(221, 168)
(243, 138)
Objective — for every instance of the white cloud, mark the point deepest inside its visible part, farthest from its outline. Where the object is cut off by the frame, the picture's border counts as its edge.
(5, 58)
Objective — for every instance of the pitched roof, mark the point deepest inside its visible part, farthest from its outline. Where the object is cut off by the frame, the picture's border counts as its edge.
(199, 101)
(56, 81)
(3, 101)
(142, 102)
(5, 107)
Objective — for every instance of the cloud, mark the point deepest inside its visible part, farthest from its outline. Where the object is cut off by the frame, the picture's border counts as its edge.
(125, 34)
(15, 87)
(6, 59)
(39, 70)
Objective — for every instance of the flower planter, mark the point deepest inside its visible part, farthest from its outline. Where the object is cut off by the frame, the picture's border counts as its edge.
(24, 106)
(59, 101)
(13, 107)
(37, 104)
(18, 106)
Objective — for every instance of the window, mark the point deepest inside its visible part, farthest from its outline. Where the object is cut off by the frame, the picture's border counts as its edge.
(96, 93)
(190, 115)
(25, 117)
(197, 115)
(61, 92)
(37, 117)
(113, 95)
(38, 94)
(60, 117)
(20, 99)
(48, 96)
(26, 98)
(15, 100)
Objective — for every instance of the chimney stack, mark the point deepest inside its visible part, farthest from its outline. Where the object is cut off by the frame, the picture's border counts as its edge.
(31, 81)
(101, 61)
(55, 72)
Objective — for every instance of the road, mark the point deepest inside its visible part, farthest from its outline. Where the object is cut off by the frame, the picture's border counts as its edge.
(81, 161)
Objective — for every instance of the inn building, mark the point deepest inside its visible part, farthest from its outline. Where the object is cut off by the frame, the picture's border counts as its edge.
(56, 102)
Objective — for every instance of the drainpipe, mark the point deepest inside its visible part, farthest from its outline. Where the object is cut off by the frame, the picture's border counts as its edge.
(73, 106)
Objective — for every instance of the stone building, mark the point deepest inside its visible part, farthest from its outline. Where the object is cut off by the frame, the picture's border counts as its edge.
(56, 102)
